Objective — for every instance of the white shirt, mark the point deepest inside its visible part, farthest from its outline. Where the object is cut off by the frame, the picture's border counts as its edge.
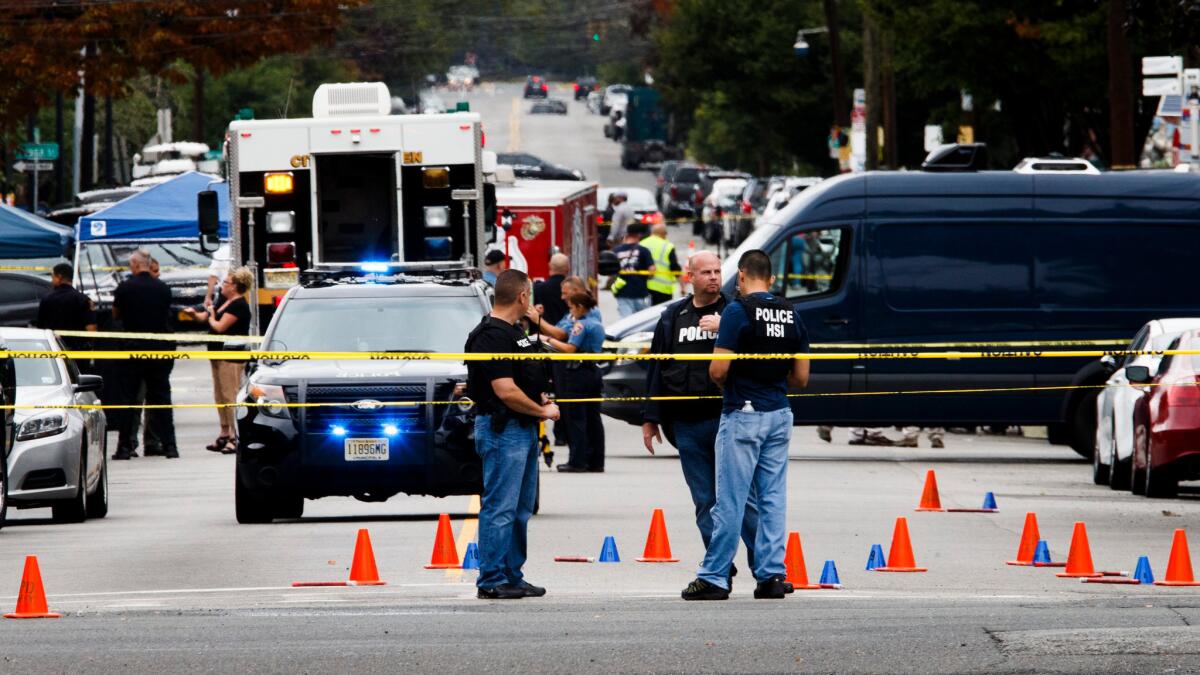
(219, 267)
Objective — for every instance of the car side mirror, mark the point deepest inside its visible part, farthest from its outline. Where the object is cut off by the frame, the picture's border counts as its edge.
(93, 383)
(1138, 374)
(208, 218)
(1109, 362)
(608, 264)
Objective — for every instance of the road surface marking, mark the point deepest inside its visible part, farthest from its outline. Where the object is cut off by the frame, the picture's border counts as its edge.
(514, 126)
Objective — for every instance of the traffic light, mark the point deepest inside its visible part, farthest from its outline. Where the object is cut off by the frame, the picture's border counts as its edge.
(596, 36)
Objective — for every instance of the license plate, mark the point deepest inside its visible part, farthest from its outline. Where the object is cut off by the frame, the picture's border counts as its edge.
(366, 449)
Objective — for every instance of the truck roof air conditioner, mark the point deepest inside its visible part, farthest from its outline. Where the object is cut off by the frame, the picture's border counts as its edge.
(352, 99)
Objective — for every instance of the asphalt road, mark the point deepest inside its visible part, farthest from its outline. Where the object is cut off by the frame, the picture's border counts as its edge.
(170, 583)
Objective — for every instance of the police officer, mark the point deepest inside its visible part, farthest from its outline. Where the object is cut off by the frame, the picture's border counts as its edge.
(143, 304)
(581, 379)
(666, 265)
(510, 396)
(755, 429)
(67, 309)
(690, 327)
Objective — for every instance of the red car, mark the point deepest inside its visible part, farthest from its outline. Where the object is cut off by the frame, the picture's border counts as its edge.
(1166, 421)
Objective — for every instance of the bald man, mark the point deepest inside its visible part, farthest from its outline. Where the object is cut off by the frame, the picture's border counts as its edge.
(548, 295)
(689, 326)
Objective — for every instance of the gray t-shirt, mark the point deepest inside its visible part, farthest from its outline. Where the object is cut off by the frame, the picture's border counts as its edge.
(623, 215)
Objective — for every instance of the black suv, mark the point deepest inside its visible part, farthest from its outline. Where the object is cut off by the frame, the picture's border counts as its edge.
(355, 443)
(683, 193)
(536, 87)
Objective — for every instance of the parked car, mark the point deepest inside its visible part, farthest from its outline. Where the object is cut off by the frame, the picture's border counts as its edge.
(593, 102)
(1112, 461)
(462, 77)
(683, 192)
(641, 199)
(550, 106)
(584, 86)
(1166, 421)
(785, 192)
(526, 165)
(664, 175)
(614, 128)
(20, 295)
(988, 256)
(722, 212)
(612, 94)
(59, 456)
(536, 87)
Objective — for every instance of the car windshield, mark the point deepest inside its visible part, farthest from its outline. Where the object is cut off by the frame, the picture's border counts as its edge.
(396, 324)
(34, 372)
(687, 176)
(168, 254)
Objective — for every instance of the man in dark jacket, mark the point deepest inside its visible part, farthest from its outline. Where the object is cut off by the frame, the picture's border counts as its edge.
(67, 309)
(143, 305)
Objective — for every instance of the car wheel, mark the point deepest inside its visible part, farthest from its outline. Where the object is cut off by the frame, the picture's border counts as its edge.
(1140, 440)
(74, 510)
(250, 505)
(289, 506)
(1099, 471)
(97, 502)
(1118, 471)
(1159, 482)
(1081, 422)
(3, 485)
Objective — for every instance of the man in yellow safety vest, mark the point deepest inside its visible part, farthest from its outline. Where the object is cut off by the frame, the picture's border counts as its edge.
(662, 284)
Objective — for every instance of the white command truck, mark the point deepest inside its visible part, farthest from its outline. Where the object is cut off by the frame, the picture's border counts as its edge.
(355, 186)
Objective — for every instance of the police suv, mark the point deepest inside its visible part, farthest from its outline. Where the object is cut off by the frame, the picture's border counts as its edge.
(351, 439)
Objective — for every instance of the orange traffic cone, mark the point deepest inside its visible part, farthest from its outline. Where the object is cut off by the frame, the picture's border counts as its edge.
(1079, 560)
(929, 496)
(900, 559)
(1029, 540)
(797, 574)
(1179, 565)
(445, 555)
(658, 546)
(31, 599)
(362, 570)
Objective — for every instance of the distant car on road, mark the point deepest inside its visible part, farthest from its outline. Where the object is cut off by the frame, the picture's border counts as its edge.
(641, 199)
(683, 191)
(59, 457)
(585, 85)
(536, 87)
(722, 212)
(462, 77)
(550, 106)
(20, 295)
(1166, 421)
(526, 165)
(613, 93)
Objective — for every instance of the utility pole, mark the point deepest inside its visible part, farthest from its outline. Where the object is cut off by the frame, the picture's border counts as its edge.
(841, 112)
(59, 193)
(1120, 88)
(871, 85)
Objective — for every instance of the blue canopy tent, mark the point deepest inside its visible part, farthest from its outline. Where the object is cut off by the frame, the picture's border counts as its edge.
(165, 211)
(24, 235)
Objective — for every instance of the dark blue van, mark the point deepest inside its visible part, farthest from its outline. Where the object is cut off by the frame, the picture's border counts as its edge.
(971, 257)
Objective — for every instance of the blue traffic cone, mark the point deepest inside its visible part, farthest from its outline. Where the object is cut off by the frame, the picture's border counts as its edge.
(989, 502)
(829, 575)
(1041, 555)
(471, 557)
(876, 558)
(608, 551)
(1143, 573)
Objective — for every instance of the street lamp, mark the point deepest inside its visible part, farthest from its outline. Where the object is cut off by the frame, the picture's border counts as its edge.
(800, 47)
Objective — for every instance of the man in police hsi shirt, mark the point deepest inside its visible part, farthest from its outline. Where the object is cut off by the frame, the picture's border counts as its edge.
(755, 429)
(690, 327)
(510, 396)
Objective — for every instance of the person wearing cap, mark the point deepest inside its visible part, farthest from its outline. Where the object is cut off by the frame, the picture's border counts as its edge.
(493, 265)
(637, 265)
(623, 216)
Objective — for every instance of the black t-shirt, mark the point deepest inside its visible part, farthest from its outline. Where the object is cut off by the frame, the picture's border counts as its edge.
(496, 336)
(548, 294)
(240, 309)
(65, 309)
(144, 304)
(633, 258)
(692, 376)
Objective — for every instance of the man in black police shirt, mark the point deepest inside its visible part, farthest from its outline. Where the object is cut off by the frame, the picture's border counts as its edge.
(143, 304)
(67, 309)
(510, 398)
(689, 326)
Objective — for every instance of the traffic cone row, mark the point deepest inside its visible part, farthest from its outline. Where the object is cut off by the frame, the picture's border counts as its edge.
(931, 501)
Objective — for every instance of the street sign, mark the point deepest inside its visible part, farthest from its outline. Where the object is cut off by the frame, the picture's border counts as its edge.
(1170, 105)
(1161, 86)
(1162, 65)
(33, 166)
(38, 151)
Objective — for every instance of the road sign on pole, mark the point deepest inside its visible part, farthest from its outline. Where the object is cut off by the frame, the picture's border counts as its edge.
(33, 166)
(38, 151)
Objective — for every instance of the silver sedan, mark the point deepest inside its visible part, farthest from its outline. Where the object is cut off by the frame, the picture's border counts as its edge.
(58, 458)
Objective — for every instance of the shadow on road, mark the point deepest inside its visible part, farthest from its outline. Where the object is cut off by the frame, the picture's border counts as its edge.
(396, 518)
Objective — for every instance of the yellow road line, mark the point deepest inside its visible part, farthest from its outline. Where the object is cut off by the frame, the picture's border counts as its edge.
(466, 535)
(514, 126)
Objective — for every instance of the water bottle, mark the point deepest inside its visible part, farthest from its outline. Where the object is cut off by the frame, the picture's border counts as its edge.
(748, 407)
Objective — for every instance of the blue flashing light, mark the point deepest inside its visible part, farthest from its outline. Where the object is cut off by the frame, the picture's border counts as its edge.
(337, 430)
(374, 267)
(391, 429)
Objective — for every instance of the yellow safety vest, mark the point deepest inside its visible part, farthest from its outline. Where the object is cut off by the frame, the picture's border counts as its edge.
(663, 280)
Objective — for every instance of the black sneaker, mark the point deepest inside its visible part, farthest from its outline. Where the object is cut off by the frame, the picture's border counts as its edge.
(530, 590)
(788, 587)
(171, 453)
(700, 589)
(501, 592)
(153, 452)
(124, 454)
(568, 468)
(771, 589)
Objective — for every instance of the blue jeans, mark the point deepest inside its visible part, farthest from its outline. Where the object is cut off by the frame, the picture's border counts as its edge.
(510, 475)
(752, 454)
(627, 306)
(697, 445)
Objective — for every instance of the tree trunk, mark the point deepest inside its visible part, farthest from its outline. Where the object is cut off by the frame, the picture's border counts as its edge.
(1120, 89)
(59, 173)
(891, 134)
(871, 85)
(841, 112)
(87, 145)
(29, 175)
(106, 171)
(198, 106)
